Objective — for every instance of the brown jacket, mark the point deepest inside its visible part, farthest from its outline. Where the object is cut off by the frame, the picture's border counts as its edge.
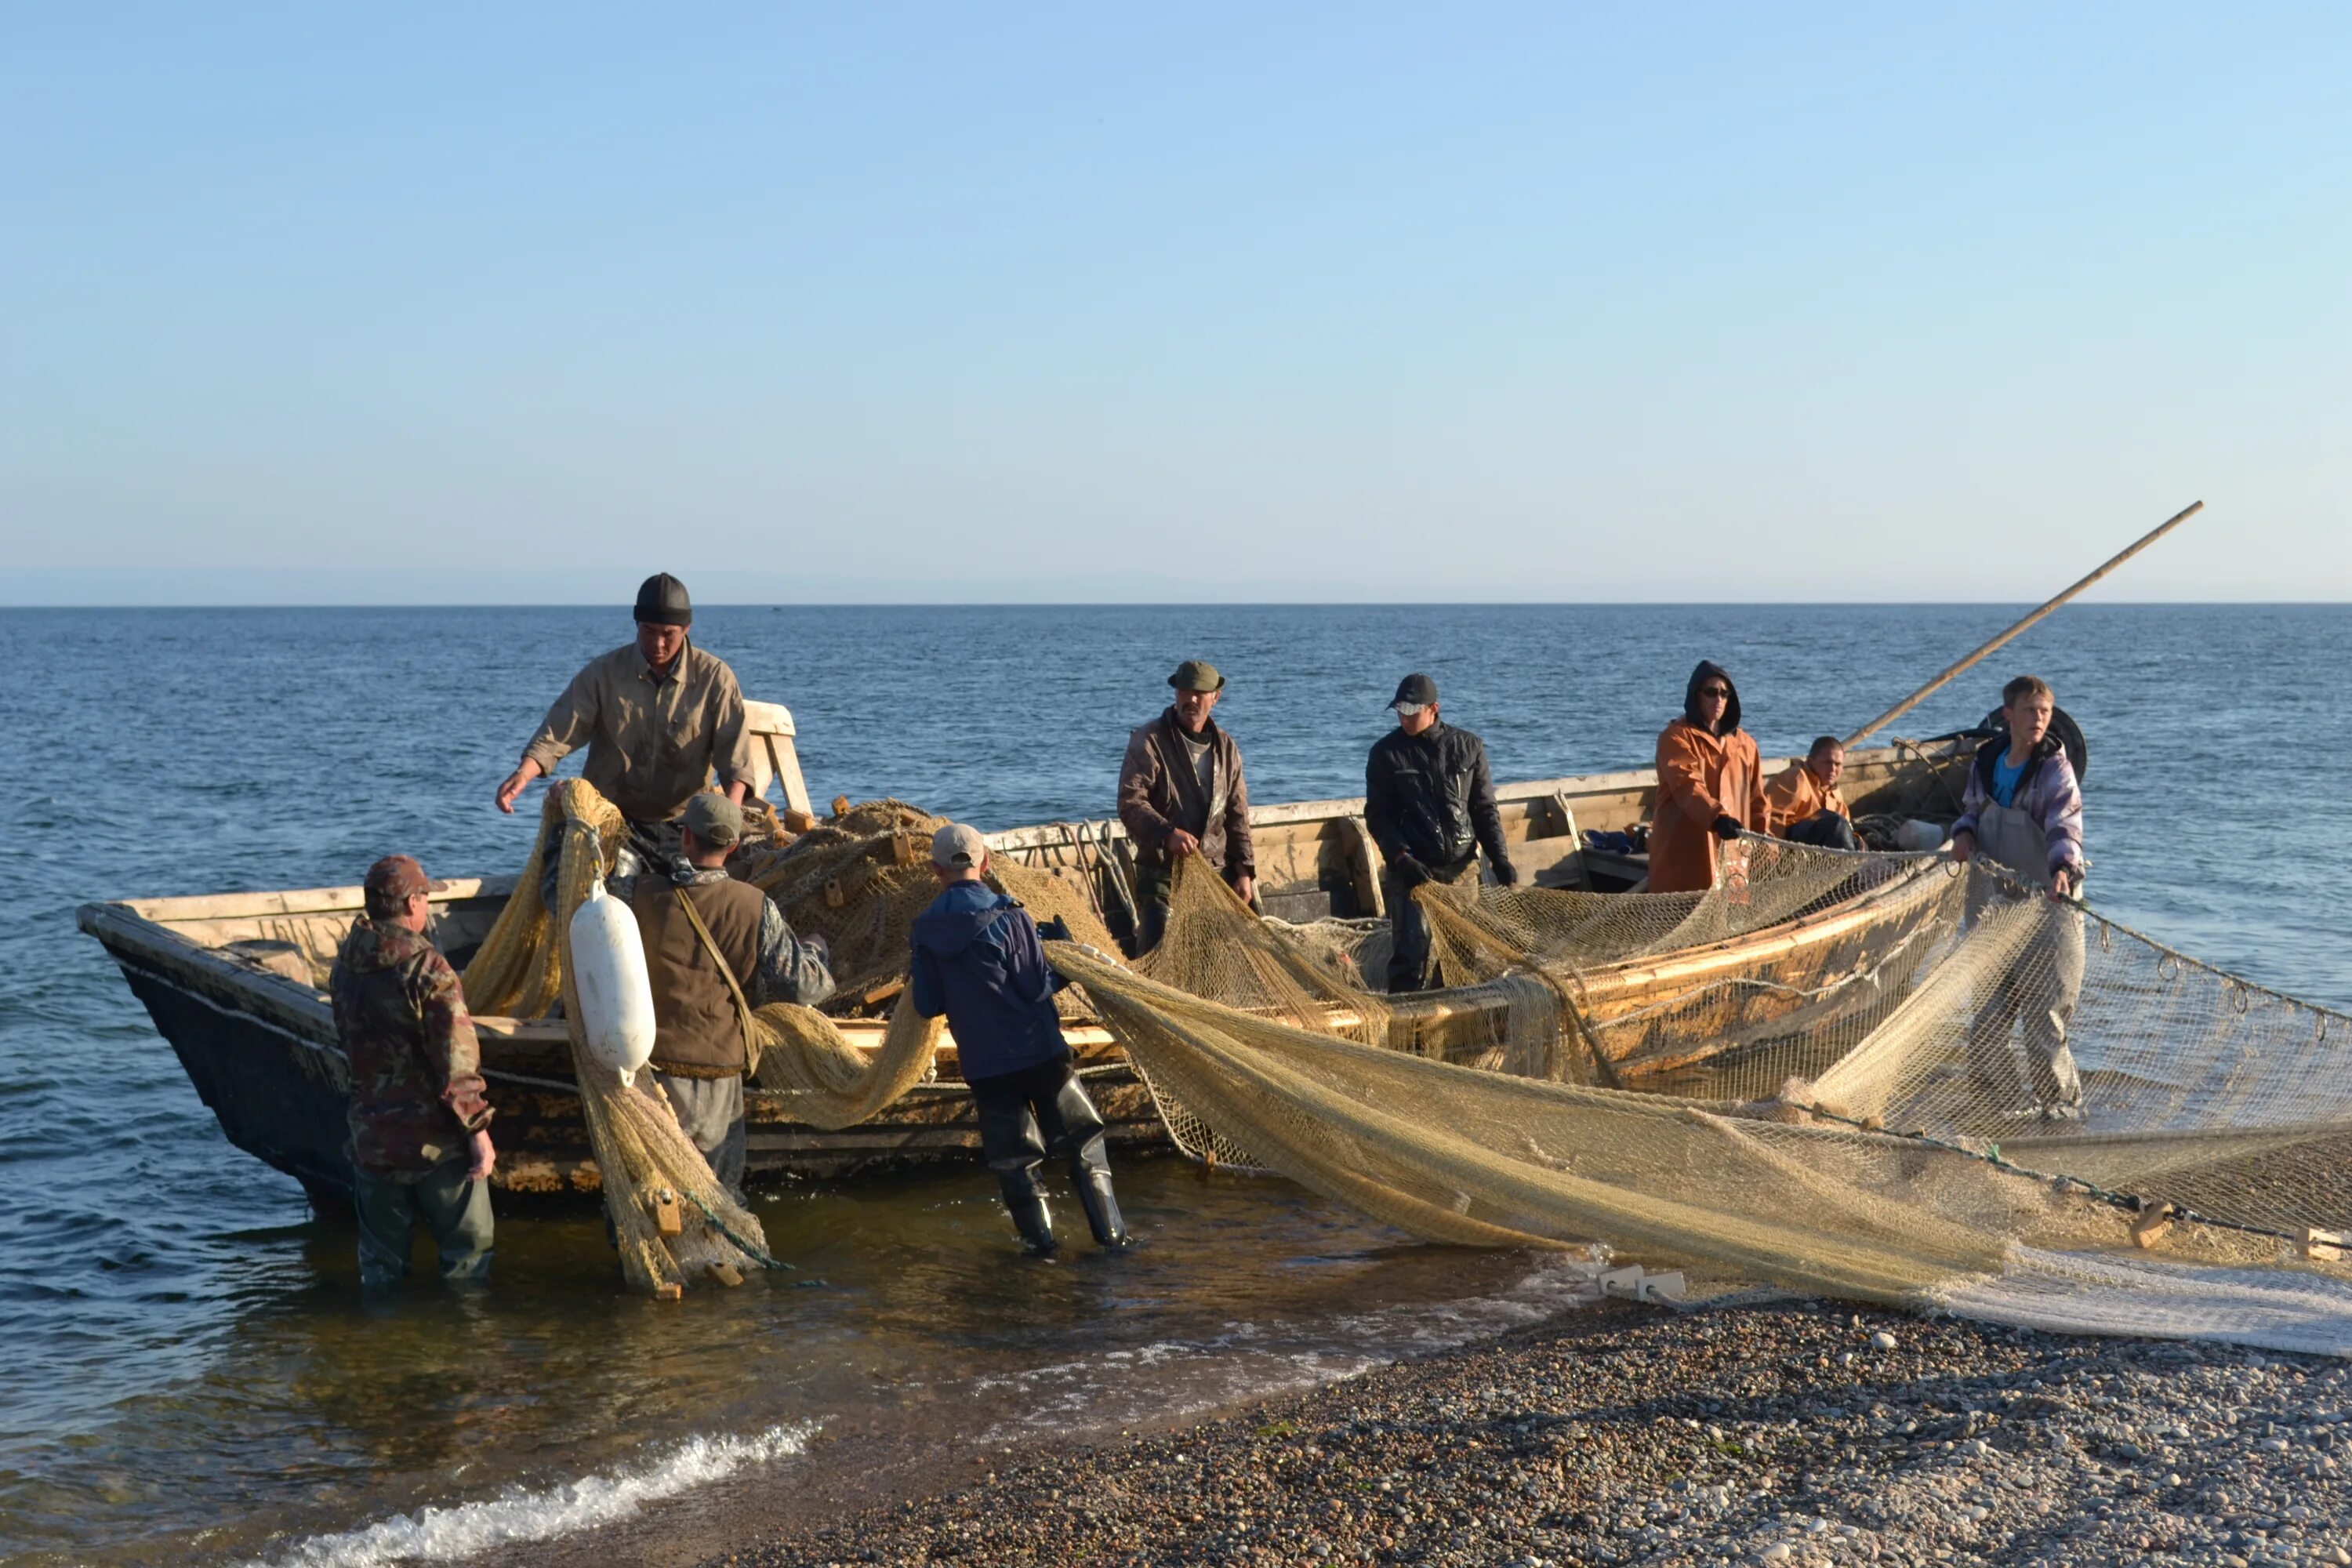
(1701, 777)
(652, 740)
(696, 1031)
(1796, 795)
(1158, 792)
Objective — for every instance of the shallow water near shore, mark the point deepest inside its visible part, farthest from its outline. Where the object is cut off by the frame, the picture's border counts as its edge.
(194, 1376)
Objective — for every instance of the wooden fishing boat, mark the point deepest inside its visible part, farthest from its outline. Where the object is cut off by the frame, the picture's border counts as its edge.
(233, 981)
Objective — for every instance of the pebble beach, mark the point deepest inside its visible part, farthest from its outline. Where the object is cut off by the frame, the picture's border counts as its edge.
(1755, 1430)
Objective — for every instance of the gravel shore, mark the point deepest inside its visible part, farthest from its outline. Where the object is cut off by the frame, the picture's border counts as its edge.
(1785, 1431)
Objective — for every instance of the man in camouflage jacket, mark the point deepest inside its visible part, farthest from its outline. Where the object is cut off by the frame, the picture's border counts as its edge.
(420, 1127)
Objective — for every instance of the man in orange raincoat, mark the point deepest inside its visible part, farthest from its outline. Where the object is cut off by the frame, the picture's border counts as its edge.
(1710, 784)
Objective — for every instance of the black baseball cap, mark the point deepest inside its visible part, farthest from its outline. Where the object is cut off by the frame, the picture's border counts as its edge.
(1414, 692)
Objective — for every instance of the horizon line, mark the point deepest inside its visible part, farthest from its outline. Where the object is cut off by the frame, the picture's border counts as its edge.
(1171, 604)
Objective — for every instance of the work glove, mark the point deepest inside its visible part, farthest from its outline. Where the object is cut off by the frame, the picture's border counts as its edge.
(1727, 826)
(1410, 872)
(1506, 874)
(1055, 930)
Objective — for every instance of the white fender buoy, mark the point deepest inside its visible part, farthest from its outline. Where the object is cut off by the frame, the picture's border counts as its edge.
(1919, 836)
(608, 975)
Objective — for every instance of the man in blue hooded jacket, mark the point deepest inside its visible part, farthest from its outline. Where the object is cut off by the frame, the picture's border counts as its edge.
(978, 959)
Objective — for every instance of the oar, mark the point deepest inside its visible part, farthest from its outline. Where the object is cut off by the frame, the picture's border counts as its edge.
(1917, 697)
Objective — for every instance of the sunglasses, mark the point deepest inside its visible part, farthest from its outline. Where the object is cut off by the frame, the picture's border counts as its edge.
(1714, 691)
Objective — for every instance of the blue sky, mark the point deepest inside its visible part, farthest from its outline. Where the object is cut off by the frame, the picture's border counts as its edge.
(1253, 303)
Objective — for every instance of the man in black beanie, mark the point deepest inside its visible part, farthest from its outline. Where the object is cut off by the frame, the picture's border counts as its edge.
(661, 718)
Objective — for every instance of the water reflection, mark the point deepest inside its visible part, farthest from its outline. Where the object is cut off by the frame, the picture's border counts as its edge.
(912, 1315)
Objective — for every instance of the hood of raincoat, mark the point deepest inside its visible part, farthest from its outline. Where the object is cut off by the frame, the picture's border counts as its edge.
(1708, 666)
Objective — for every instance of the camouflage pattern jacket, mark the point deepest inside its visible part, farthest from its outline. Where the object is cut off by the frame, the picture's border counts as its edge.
(417, 1084)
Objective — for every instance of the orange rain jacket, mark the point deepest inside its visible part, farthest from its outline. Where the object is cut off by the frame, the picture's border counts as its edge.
(1702, 776)
(1796, 797)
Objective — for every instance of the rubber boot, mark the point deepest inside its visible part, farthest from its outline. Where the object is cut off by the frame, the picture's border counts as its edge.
(1090, 1175)
(1026, 1204)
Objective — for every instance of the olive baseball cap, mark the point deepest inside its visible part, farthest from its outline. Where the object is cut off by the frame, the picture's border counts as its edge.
(714, 819)
(1197, 675)
(956, 848)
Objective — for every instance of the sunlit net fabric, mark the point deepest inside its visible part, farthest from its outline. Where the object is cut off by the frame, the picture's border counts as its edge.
(1868, 993)
(859, 880)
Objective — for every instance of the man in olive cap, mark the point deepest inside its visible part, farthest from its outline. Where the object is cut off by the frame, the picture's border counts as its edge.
(715, 949)
(660, 718)
(1429, 803)
(420, 1127)
(1180, 792)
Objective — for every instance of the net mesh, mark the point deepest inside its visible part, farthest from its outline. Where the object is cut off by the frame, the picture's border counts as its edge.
(1881, 1077)
(860, 878)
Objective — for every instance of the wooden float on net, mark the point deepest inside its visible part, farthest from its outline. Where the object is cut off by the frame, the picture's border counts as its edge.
(233, 981)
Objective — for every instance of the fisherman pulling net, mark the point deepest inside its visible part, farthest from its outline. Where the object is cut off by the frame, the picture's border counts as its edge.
(2209, 1106)
(674, 1222)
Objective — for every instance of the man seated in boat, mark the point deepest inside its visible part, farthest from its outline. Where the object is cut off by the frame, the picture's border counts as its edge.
(2023, 810)
(659, 716)
(1180, 792)
(977, 959)
(715, 949)
(1806, 805)
(1429, 803)
(1710, 784)
(420, 1141)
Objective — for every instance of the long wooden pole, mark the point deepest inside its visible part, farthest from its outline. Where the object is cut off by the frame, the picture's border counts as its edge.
(1917, 697)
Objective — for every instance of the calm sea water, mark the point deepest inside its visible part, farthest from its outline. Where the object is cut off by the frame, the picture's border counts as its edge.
(192, 1375)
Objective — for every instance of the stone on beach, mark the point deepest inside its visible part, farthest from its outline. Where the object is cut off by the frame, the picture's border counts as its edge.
(1619, 1433)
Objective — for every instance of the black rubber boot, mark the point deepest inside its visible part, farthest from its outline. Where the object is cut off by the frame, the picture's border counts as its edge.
(1027, 1204)
(1090, 1175)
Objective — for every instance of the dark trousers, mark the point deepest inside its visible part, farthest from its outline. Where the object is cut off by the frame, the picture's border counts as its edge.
(1825, 830)
(1152, 894)
(454, 1209)
(1409, 928)
(1027, 1115)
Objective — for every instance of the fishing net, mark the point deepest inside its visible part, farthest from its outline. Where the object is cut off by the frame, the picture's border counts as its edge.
(674, 1223)
(1914, 1147)
(818, 1078)
(860, 878)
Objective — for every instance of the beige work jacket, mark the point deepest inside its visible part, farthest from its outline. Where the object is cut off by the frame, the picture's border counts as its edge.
(653, 741)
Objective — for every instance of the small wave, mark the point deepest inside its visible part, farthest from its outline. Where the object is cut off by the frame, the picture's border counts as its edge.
(520, 1514)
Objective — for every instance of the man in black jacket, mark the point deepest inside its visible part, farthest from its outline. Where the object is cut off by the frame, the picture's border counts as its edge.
(1429, 802)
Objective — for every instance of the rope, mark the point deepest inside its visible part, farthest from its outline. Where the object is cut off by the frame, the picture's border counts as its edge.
(2130, 1202)
(757, 1253)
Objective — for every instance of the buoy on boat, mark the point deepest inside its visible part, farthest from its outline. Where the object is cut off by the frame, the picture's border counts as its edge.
(1916, 834)
(608, 974)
